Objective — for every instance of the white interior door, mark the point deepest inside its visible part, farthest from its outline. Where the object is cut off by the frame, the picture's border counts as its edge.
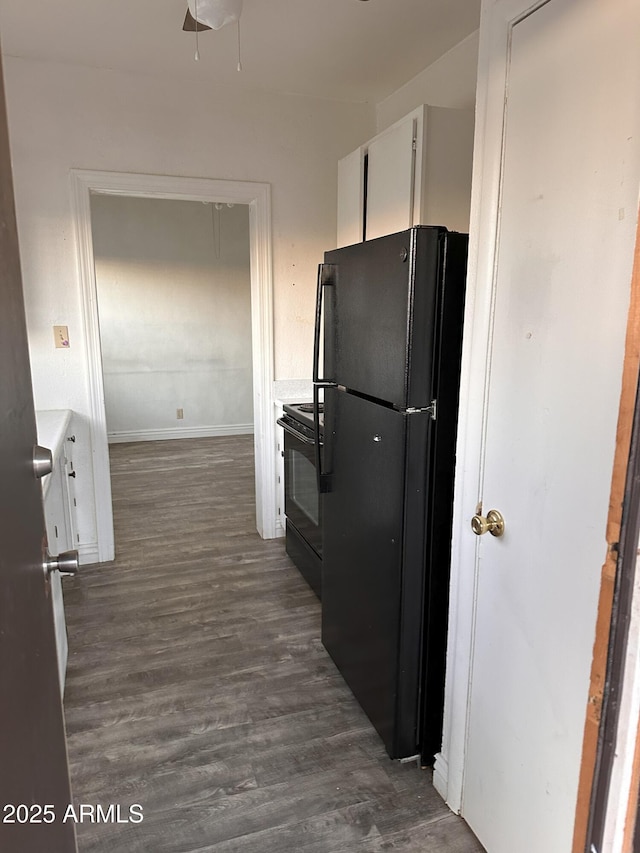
(556, 223)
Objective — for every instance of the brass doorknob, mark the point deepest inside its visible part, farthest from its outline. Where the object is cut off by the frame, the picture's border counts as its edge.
(493, 523)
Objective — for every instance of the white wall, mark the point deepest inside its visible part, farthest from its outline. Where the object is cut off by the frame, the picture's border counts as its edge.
(63, 117)
(174, 301)
(448, 82)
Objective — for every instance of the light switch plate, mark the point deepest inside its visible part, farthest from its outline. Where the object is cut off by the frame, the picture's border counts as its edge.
(61, 337)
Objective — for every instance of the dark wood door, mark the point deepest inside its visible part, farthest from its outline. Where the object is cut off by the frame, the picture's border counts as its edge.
(33, 758)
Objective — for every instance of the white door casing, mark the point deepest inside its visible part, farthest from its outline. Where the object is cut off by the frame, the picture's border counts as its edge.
(554, 212)
(258, 197)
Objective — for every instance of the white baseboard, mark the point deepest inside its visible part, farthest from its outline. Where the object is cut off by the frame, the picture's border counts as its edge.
(182, 432)
(441, 776)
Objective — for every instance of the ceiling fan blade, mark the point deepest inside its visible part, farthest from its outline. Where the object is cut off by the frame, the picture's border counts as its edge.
(191, 25)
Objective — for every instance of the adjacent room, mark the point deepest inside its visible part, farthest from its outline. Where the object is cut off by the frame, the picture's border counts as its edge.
(174, 305)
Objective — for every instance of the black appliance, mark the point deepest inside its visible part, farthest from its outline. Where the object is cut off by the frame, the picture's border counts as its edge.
(389, 312)
(302, 425)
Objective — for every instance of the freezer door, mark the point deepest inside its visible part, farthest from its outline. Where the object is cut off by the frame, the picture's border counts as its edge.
(374, 559)
(382, 300)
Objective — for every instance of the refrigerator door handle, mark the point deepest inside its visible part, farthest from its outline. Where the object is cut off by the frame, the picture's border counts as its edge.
(326, 278)
(324, 478)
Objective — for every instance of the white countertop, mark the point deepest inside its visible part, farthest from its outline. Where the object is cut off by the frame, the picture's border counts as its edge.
(292, 391)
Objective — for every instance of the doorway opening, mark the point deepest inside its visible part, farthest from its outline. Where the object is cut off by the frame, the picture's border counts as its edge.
(256, 196)
(174, 303)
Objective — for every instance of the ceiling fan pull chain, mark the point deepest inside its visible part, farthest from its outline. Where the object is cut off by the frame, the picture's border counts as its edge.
(215, 221)
(239, 62)
(197, 56)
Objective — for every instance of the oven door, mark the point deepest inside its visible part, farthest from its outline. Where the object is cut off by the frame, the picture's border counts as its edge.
(301, 498)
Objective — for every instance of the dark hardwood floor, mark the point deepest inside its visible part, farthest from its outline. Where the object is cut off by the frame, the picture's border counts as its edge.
(198, 686)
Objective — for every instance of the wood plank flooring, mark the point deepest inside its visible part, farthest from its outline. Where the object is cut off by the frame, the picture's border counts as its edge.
(198, 686)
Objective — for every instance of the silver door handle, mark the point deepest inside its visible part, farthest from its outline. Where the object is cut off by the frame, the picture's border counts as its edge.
(42, 461)
(66, 563)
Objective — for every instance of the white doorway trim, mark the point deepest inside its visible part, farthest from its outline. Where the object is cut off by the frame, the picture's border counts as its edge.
(258, 197)
(498, 19)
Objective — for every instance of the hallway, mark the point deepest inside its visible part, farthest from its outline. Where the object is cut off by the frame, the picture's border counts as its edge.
(198, 687)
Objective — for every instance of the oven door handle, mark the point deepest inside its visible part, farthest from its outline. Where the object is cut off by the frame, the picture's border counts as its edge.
(294, 432)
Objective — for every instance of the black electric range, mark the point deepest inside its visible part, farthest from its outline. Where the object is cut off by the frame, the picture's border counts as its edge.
(302, 503)
(303, 414)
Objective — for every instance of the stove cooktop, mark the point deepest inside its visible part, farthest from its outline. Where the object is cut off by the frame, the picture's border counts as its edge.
(303, 412)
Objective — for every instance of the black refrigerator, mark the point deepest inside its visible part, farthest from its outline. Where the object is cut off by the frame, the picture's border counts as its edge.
(389, 326)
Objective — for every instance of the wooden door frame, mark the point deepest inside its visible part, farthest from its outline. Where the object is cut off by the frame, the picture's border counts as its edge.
(599, 785)
(258, 198)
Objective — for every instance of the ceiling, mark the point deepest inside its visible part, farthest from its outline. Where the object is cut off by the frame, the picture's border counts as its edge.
(344, 50)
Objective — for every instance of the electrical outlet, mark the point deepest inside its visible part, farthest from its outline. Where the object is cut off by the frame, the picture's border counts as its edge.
(179, 414)
(61, 337)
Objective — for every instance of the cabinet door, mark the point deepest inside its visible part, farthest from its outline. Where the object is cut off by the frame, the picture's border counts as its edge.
(55, 511)
(70, 476)
(351, 198)
(391, 180)
(57, 535)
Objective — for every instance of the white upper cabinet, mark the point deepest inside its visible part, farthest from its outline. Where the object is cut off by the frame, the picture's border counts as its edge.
(351, 197)
(391, 170)
(416, 172)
